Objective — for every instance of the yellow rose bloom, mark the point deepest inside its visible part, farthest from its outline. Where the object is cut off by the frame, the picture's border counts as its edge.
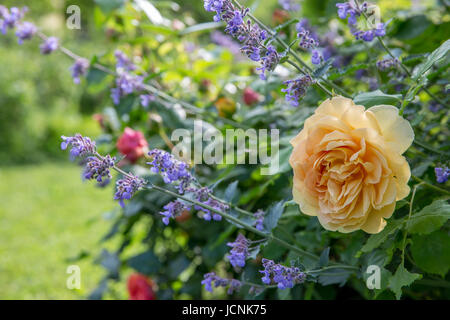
(348, 165)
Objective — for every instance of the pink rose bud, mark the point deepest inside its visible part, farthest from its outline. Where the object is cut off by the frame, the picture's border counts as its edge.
(250, 96)
(140, 287)
(132, 144)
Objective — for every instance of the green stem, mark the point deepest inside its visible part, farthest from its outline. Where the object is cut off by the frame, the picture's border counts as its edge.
(296, 56)
(429, 185)
(237, 221)
(406, 222)
(427, 147)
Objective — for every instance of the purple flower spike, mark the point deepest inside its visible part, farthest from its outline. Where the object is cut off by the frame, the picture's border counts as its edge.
(79, 69)
(284, 277)
(442, 174)
(296, 89)
(172, 210)
(127, 187)
(239, 252)
(99, 168)
(25, 31)
(81, 146)
(211, 280)
(49, 45)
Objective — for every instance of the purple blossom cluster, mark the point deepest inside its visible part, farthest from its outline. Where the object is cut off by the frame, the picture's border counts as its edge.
(203, 195)
(172, 210)
(49, 45)
(79, 69)
(123, 62)
(10, 18)
(259, 219)
(171, 169)
(249, 34)
(146, 99)
(387, 64)
(284, 277)
(442, 174)
(80, 146)
(307, 42)
(297, 88)
(98, 168)
(127, 187)
(25, 31)
(211, 280)
(349, 11)
(239, 252)
(289, 5)
(126, 82)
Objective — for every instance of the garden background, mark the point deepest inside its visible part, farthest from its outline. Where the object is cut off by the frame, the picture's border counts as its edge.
(49, 217)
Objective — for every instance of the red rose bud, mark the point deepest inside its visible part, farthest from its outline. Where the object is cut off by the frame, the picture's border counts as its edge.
(250, 96)
(132, 144)
(280, 16)
(140, 287)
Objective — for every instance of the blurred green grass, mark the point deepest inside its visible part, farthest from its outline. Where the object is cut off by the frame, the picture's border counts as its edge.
(47, 216)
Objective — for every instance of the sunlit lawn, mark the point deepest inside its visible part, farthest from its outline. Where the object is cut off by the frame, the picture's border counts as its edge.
(48, 215)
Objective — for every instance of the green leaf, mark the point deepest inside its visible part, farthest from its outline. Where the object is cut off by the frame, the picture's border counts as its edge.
(231, 192)
(273, 215)
(348, 70)
(435, 56)
(376, 240)
(323, 69)
(334, 276)
(284, 25)
(108, 6)
(402, 278)
(432, 252)
(146, 263)
(201, 27)
(377, 97)
(430, 218)
(324, 257)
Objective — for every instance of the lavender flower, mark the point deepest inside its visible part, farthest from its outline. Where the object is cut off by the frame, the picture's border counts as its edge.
(239, 252)
(25, 31)
(306, 41)
(49, 45)
(81, 146)
(297, 89)
(203, 195)
(289, 5)
(127, 187)
(248, 33)
(211, 279)
(351, 12)
(259, 217)
(435, 106)
(268, 62)
(316, 57)
(387, 64)
(125, 84)
(442, 174)
(172, 210)
(284, 277)
(123, 62)
(10, 18)
(79, 69)
(98, 168)
(146, 99)
(171, 169)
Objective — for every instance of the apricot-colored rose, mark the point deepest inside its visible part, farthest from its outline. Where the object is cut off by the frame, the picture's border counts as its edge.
(348, 165)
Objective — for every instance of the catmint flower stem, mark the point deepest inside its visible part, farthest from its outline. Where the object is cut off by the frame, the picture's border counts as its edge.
(237, 221)
(295, 56)
(431, 186)
(389, 52)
